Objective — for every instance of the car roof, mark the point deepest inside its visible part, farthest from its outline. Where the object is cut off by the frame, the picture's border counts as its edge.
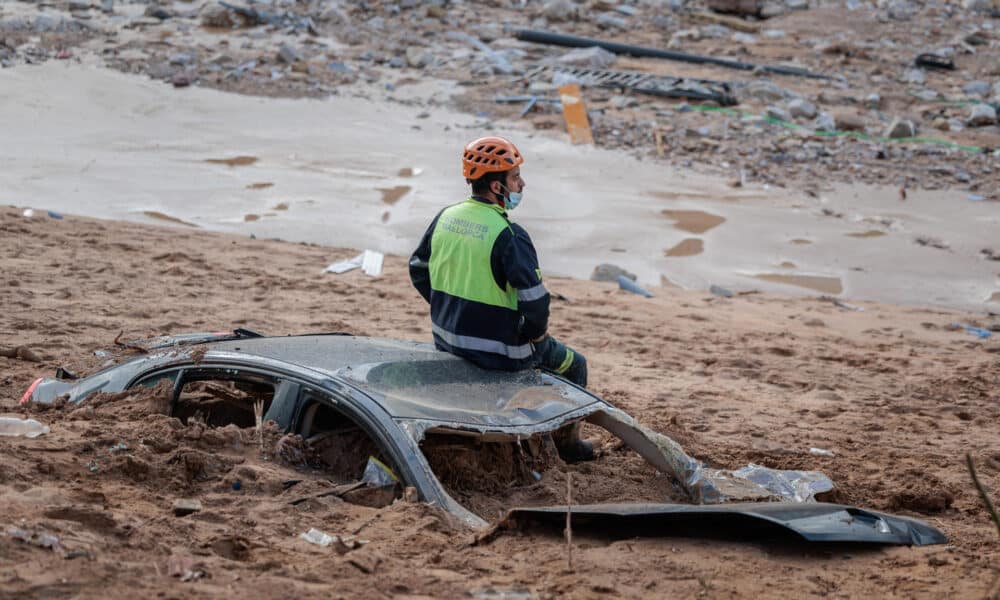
(413, 380)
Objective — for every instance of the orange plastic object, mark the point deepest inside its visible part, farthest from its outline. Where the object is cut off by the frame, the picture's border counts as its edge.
(489, 154)
(575, 113)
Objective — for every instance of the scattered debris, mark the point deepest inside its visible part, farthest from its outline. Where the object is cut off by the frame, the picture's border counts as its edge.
(630, 286)
(716, 290)
(663, 86)
(186, 506)
(821, 452)
(558, 39)
(934, 61)
(29, 428)
(609, 272)
(979, 332)
(370, 262)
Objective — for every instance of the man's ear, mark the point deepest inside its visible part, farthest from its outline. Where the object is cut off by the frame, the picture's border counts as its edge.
(495, 190)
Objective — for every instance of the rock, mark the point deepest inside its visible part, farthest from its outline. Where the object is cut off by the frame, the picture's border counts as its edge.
(978, 5)
(873, 100)
(182, 59)
(976, 88)
(716, 290)
(611, 21)
(772, 9)
(744, 38)
(996, 89)
(981, 115)
(825, 122)
(801, 108)
(158, 12)
(397, 62)
(926, 95)
(160, 70)
(79, 5)
(559, 10)
(217, 15)
(940, 123)
(776, 112)
(915, 76)
(609, 272)
(764, 91)
(594, 57)
(288, 55)
(735, 7)
(418, 57)
(621, 102)
(955, 125)
(814, 323)
(902, 10)
(715, 31)
(180, 80)
(901, 128)
(848, 121)
(186, 506)
(797, 4)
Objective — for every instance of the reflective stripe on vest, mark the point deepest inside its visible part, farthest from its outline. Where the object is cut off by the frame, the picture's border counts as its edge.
(461, 247)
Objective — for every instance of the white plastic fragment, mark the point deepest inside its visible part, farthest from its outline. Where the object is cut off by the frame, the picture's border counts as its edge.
(820, 452)
(315, 536)
(29, 428)
(370, 262)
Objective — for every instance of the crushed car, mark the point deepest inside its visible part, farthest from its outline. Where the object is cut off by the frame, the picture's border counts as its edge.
(395, 414)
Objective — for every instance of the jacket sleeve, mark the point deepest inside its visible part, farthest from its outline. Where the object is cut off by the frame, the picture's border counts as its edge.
(420, 273)
(520, 267)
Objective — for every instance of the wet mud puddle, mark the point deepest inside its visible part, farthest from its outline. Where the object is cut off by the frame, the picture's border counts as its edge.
(155, 214)
(687, 247)
(694, 221)
(236, 161)
(826, 285)
(394, 194)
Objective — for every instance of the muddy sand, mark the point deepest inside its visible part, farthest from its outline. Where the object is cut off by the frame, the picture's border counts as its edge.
(896, 394)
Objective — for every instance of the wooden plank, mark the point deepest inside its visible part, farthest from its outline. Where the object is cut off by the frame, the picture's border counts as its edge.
(575, 113)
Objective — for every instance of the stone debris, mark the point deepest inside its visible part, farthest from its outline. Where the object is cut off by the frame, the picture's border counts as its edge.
(981, 115)
(901, 128)
(294, 48)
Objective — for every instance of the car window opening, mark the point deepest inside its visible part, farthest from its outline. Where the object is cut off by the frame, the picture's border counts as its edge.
(221, 402)
(336, 444)
(490, 477)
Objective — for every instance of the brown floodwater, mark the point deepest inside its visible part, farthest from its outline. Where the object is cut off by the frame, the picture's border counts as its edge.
(155, 214)
(688, 247)
(236, 161)
(392, 195)
(694, 221)
(827, 285)
(867, 234)
(260, 185)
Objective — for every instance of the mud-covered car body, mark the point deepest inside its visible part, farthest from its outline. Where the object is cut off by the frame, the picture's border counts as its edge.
(398, 392)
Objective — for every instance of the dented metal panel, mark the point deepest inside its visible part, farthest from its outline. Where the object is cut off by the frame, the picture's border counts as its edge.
(816, 522)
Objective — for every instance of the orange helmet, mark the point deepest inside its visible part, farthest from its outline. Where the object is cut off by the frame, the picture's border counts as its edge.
(489, 154)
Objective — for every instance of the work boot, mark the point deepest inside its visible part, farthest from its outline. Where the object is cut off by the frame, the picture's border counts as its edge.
(572, 448)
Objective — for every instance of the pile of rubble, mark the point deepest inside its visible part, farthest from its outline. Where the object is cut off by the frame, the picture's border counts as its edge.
(898, 92)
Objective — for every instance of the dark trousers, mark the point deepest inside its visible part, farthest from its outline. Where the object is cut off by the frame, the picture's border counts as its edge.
(553, 355)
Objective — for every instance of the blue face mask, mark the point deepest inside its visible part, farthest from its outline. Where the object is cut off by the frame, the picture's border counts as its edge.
(512, 199)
